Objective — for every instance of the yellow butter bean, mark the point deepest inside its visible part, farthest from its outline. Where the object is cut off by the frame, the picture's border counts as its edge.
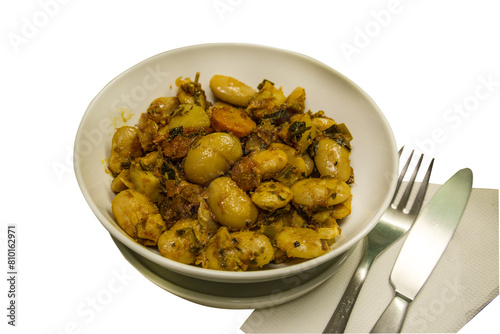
(231, 90)
(272, 195)
(270, 161)
(315, 193)
(332, 159)
(301, 242)
(211, 156)
(237, 251)
(230, 204)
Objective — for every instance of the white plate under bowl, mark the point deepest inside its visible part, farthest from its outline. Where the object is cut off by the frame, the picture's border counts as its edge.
(374, 153)
(234, 295)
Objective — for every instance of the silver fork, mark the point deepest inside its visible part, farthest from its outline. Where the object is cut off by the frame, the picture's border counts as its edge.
(395, 222)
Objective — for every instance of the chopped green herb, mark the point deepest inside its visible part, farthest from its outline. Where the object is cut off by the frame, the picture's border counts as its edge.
(341, 134)
(278, 117)
(335, 129)
(181, 110)
(285, 173)
(125, 165)
(176, 132)
(297, 129)
(199, 96)
(343, 142)
(313, 149)
(167, 170)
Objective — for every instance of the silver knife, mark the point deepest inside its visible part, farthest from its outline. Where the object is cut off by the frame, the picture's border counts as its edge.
(424, 246)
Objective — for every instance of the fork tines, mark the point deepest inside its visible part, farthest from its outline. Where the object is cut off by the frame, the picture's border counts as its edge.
(402, 203)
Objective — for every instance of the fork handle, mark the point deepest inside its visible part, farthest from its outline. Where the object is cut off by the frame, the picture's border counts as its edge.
(340, 317)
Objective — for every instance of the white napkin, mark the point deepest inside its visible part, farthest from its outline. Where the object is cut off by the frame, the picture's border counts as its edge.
(463, 282)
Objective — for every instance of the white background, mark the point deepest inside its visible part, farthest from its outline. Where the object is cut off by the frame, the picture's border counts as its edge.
(425, 63)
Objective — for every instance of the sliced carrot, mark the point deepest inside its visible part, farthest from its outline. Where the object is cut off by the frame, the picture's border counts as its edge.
(234, 120)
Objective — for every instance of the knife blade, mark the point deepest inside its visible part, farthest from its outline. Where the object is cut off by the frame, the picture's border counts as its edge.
(426, 242)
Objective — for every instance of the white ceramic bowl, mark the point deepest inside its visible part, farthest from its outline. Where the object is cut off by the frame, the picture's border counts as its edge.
(374, 153)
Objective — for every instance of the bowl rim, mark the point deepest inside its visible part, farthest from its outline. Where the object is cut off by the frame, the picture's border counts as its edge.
(217, 275)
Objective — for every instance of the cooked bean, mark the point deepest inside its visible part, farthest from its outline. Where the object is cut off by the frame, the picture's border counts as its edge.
(137, 216)
(237, 251)
(270, 162)
(161, 108)
(343, 209)
(332, 159)
(125, 146)
(272, 195)
(296, 100)
(122, 181)
(230, 90)
(211, 156)
(309, 163)
(230, 204)
(183, 241)
(301, 242)
(322, 123)
(314, 193)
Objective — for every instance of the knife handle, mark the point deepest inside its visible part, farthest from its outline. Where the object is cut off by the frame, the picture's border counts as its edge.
(393, 317)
